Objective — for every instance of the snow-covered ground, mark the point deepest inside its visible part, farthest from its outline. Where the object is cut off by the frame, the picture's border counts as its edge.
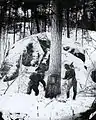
(17, 104)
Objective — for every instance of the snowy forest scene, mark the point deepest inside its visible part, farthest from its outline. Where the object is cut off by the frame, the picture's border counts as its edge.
(47, 60)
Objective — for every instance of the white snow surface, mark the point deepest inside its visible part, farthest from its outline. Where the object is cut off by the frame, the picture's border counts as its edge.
(38, 107)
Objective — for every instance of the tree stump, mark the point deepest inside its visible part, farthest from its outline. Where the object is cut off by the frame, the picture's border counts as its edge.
(53, 86)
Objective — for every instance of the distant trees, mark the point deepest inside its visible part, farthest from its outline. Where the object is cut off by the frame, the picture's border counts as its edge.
(40, 12)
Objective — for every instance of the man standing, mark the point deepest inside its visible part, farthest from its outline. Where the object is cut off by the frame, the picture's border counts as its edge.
(36, 78)
(72, 82)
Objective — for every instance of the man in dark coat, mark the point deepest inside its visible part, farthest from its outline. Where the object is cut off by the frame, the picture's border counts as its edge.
(72, 82)
(35, 78)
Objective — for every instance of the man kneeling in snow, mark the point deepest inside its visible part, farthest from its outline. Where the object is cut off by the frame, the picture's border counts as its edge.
(35, 78)
(70, 76)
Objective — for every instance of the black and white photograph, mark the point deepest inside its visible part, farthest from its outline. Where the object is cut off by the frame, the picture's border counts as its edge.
(47, 60)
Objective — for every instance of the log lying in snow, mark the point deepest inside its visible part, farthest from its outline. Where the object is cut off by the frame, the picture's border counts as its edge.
(10, 67)
(75, 52)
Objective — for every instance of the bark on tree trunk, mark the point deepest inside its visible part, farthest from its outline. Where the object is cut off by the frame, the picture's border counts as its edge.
(54, 78)
(68, 31)
(31, 23)
(0, 50)
(76, 25)
(24, 22)
(45, 25)
(14, 33)
(45, 19)
(36, 20)
(0, 34)
(20, 29)
(15, 25)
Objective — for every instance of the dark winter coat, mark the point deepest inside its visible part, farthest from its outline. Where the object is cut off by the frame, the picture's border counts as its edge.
(70, 76)
(35, 78)
(70, 73)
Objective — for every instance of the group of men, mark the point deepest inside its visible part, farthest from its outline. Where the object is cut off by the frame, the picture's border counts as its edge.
(38, 76)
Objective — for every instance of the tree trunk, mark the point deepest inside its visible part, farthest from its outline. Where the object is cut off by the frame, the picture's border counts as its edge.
(14, 33)
(4, 42)
(68, 31)
(9, 16)
(20, 30)
(45, 18)
(0, 51)
(0, 33)
(24, 22)
(45, 25)
(76, 24)
(54, 78)
(31, 23)
(82, 37)
(15, 25)
(36, 20)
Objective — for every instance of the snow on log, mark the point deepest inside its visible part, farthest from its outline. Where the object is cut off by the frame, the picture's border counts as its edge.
(31, 53)
(75, 52)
